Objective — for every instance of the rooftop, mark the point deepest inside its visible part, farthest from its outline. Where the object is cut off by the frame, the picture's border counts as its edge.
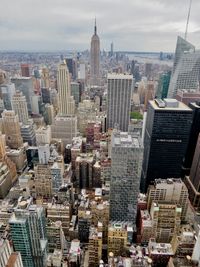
(119, 76)
(169, 104)
(124, 139)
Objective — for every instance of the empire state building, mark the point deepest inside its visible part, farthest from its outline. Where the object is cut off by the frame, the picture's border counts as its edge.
(95, 58)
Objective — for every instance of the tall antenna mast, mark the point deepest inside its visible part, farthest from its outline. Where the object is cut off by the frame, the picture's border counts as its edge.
(188, 18)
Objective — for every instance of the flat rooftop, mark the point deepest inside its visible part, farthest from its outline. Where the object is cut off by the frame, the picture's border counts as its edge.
(180, 106)
(120, 76)
(124, 139)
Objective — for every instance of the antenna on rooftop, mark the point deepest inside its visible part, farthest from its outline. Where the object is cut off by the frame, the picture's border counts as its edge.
(188, 18)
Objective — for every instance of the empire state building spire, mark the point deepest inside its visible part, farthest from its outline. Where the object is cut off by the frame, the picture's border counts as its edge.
(95, 58)
(95, 27)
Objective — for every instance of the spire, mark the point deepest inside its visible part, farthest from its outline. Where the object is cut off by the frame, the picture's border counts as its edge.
(95, 27)
(188, 17)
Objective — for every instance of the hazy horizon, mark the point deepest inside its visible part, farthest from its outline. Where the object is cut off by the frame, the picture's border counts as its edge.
(133, 25)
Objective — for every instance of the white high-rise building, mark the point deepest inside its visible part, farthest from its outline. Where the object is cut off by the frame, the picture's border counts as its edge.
(126, 164)
(19, 105)
(186, 75)
(66, 101)
(119, 100)
(182, 46)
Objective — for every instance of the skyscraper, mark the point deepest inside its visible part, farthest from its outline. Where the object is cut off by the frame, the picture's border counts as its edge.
(167, 131)
(12, 129)
(119, 100)
(25, 70)
(186, 75)
(72, 67)
(95, 58)
(25, 85)
(193, 181)
(126, 156)
(181, 46)
(45, 78)
(19, 105)
(28, 232)
(163, 85)
(193, 137)
(66, 101)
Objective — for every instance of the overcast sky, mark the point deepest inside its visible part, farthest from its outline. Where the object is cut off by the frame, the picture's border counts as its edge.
(136, 25)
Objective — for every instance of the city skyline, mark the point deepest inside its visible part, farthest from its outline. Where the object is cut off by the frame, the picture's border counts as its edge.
(63, 27)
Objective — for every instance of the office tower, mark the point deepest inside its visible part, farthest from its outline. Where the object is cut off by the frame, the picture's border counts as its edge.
(76, 92)
(126, 162)
(43, 135)
(166, 136)
(45, 78)
(7, 90)
(64, 128)
(186, 75)
(182, 46)
(54, 99)
(148, 70)
(95, 58)
(25, 70)
(57, 177)
(193, 181)
(111, 49)
(49, 114)
(43, 181)
(82, 72)
(84, 170)
(163, 85)
(36, 102)
(28, 233)
(66, 101)
(193, 137)
(166, 220)
(169, 191)
(12, 129)
(188, 96)
(46, 97)
(95, 246)
(60, 212)
(119, 100)
(72, 67)
(25, 85)
(19, 105)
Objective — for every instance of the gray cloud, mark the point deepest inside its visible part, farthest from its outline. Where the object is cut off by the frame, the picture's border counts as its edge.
(140, 25)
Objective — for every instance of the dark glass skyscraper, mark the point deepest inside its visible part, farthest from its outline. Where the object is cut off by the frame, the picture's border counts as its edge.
(167, 131)
(194, 133)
